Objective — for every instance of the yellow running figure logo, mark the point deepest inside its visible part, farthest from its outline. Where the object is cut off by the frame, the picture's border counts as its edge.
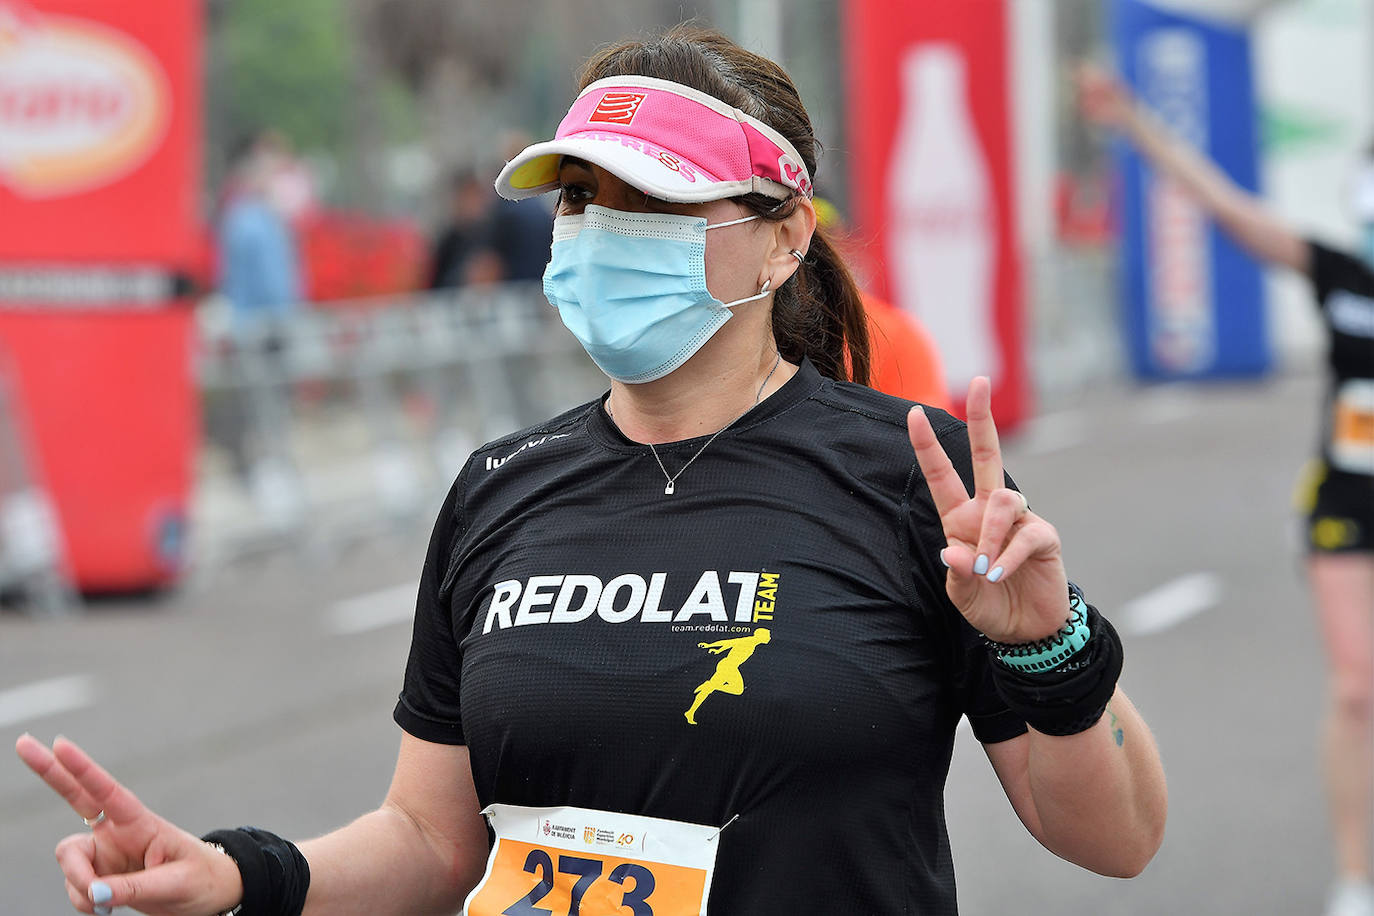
(727, 678)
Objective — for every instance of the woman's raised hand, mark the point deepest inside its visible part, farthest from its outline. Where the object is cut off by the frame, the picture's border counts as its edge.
(1005, 571)
(130, 857)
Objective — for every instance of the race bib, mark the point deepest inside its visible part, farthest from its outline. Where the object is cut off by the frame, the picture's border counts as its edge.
(578, 862)
(1352, 427)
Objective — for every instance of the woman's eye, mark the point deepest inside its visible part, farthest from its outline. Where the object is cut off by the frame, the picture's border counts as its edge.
(575, 193)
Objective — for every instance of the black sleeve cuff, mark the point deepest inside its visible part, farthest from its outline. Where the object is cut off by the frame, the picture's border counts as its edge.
(426, 728)
(996, 728)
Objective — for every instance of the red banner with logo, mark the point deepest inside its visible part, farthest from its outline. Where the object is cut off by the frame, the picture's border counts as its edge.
(932, 180)
(99, 127)
(99, 186)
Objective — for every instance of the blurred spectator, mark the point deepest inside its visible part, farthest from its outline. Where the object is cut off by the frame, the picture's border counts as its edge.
(522, 236)
(1364, 202)
(259, 267)
(288, 184)
(523, 232)
(465, 251)
(903, 358)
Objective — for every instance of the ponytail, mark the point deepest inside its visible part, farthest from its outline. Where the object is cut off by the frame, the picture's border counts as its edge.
(819, 314)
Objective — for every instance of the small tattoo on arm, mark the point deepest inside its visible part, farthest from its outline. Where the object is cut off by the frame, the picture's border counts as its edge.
(1118, 735)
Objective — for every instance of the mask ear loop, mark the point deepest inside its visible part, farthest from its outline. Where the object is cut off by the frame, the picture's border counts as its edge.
(734, 222)
(767, 288)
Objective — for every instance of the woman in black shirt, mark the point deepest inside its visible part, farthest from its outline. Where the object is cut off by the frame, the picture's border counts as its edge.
(1337, 495)
(704, 640)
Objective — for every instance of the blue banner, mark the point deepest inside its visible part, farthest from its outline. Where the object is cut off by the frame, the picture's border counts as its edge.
(1194, 301)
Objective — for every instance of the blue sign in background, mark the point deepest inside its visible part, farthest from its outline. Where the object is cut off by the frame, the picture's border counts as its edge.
(1194, 302)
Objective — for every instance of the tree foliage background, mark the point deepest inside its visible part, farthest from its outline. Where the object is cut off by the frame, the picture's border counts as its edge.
(388, 96)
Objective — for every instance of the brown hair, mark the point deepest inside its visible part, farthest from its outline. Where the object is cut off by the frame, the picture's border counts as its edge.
(818, 313)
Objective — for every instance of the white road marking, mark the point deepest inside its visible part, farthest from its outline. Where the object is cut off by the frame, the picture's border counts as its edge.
(1053, 432)
(1171, 603)
(1166, 404)
(383, 608)
(45, 698)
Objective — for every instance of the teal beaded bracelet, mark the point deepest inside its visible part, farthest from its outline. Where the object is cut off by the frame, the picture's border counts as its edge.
(1045, 655)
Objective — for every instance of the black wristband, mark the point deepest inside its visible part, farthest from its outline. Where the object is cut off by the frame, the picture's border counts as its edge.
(1072, 698)
(275, 874)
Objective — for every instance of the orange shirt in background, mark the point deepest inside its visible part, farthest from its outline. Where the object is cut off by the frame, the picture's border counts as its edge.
(903, 358)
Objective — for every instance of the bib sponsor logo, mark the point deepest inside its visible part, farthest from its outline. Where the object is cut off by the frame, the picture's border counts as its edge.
(617, 108)
(81, 104)
(611, 869)
(730, 601)
(560, 831)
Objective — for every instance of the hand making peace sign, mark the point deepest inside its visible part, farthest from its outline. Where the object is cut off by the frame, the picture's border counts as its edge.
(1006, 575)
(135, 858)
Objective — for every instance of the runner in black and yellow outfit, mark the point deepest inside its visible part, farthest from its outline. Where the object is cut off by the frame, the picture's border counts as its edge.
(861, 574)
(1337, 496)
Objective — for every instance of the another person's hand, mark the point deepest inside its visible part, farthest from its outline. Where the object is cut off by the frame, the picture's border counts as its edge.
(1006, 575)
(1102, 98)
(130, 857)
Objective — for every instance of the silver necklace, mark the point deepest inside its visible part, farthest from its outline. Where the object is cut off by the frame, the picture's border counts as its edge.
(672, 478)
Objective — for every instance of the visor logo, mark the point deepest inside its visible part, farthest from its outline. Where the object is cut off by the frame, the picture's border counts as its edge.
(617, 107)
(794, 174)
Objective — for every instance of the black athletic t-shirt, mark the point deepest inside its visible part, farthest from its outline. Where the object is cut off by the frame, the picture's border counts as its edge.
(1344, 288)
(565, 599)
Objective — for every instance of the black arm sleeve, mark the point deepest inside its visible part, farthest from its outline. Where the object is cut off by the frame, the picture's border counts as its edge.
(429, 707)
(968, 661)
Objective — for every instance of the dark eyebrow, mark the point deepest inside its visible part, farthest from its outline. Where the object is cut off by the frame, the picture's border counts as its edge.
(575, 163)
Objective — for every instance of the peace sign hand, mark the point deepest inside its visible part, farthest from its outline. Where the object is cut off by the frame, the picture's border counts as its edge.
(133, 857)
(1006, 575)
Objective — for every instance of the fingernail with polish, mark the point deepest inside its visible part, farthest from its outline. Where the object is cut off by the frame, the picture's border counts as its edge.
(100, 892)
(943, 560)
(102, 911)
(980, 565)
(995, 574)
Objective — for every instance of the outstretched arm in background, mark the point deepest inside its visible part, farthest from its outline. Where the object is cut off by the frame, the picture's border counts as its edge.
(1240, 214)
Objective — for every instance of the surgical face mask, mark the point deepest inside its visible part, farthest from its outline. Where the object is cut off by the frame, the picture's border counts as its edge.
(632, 288)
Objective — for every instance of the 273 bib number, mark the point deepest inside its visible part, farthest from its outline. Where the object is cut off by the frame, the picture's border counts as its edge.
(578, 862)
(585, 872)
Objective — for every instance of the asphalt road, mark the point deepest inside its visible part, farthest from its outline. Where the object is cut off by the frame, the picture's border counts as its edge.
(263, 693)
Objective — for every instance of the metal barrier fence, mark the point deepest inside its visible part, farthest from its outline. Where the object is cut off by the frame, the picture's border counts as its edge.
(348, 418)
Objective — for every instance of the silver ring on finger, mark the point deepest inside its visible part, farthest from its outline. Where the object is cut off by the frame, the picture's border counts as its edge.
(92, 822)
(1024, 507)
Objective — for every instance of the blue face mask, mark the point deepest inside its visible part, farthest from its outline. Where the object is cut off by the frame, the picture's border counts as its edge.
(632, 288)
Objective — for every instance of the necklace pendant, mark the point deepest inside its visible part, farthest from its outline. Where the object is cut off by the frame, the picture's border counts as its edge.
(668, 490)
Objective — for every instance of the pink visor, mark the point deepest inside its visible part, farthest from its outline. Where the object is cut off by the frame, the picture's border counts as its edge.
(666, 139)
